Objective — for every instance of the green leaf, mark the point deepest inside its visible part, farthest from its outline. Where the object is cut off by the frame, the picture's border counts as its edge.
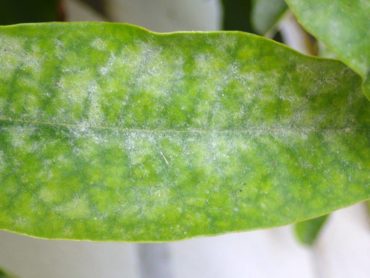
(237, 15)
(111, 132)
(266, 14)
(4, 274)
(18, 11)
(308, 231)
(344, 27)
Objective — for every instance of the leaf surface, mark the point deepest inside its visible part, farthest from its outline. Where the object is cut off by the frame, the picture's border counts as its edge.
(111, 132)
(344, 27)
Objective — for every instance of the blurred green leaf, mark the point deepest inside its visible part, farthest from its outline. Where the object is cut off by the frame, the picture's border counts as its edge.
(4, 274)
(266, 13)
(21, 11)
(111, 132)
(324, 52)
(308, 231)
(237, 15)
(343, 26)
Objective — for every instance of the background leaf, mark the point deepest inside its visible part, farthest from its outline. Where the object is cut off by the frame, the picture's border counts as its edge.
(237, 15)
(3, 274)
(266, 14)
(110, 132)
(18, 11)
(308, 231)
(343, 26)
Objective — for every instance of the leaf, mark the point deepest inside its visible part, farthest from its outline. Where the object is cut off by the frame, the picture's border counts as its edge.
(308, 231)
(237, 15)
(4, 274)
(343, 26)
(18, 11)
(111, 132)
(266, 14)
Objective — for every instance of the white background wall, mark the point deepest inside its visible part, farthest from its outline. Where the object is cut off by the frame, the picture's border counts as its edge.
(343, 249)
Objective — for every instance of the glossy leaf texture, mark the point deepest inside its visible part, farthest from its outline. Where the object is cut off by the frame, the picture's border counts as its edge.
(344, 27)
(111, 132)
(307, 232)
(266, 14)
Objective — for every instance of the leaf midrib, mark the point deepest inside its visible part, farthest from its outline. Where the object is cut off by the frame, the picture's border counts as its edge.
(88, 126)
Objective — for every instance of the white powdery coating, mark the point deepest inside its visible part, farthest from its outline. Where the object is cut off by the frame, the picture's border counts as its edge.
(77, 208)
(3, 106)
(59, 49)
(107, 68)
(95, 115)
(18, 135)
(15, 57)
(2, 161)
(147, 67)
(99, 44)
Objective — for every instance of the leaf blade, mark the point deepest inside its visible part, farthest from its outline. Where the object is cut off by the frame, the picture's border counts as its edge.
(165, 137)
(344, 28)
